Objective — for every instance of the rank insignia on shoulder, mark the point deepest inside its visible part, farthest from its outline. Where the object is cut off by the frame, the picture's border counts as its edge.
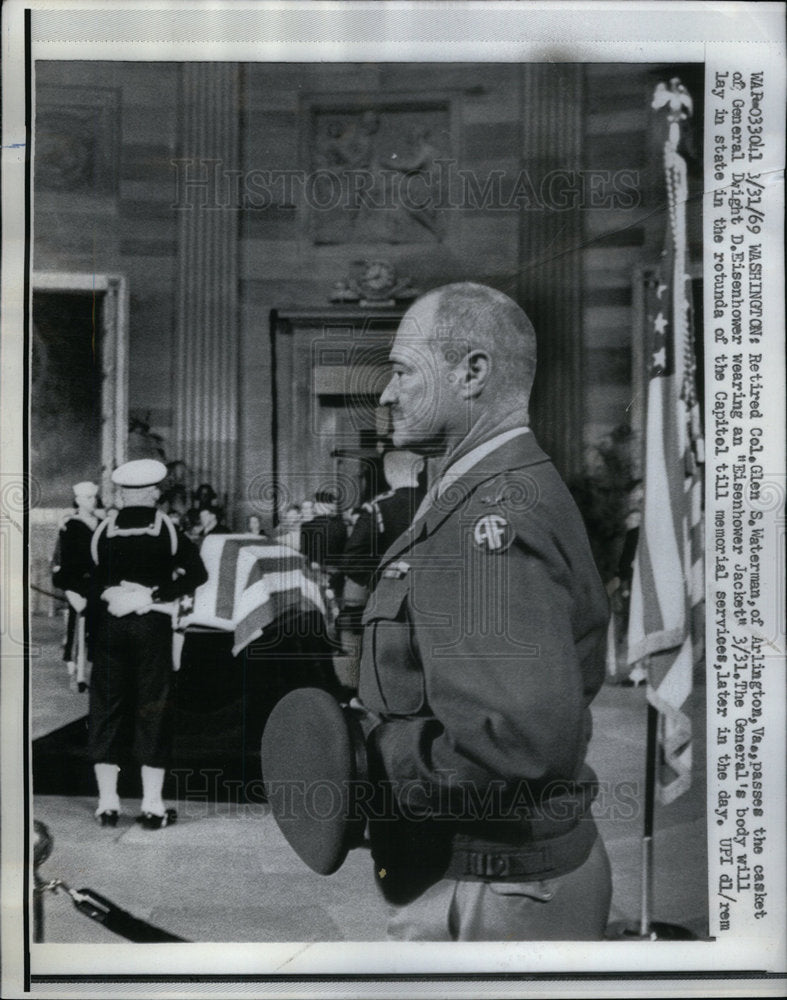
(493, 533)
(397, 570)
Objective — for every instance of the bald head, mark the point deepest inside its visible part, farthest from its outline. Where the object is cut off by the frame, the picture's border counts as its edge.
(463, 359)
(469, 316)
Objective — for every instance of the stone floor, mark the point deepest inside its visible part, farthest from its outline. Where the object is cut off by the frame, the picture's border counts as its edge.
(225, 873)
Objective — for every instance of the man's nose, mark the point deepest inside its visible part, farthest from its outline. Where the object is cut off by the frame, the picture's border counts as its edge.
(389, 395)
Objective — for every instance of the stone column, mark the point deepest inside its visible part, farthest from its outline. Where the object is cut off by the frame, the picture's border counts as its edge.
(550, 259)
(206, 322)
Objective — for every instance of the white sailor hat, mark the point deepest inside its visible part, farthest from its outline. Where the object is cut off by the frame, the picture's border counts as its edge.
(139, 473)
(85, 489)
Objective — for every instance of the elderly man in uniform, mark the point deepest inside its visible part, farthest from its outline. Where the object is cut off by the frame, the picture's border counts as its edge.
(482, 650)
(141, 561)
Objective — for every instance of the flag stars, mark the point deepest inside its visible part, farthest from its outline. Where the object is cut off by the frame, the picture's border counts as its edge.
(660, 290)
(660, 323)
(660, 359)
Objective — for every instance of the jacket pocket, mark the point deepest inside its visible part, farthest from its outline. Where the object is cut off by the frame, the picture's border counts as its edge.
(390, 643)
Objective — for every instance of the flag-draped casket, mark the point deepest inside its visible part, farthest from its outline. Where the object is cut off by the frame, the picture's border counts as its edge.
(258, 628)
(251, 583)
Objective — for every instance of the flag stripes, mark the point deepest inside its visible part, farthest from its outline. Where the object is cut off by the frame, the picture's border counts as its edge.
(668, 582)
(251, 582)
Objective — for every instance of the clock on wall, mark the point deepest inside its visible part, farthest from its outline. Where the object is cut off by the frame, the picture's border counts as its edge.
(373, 283)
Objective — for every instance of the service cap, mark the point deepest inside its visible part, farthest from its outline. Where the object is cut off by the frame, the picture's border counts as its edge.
(85, 489)
(139, 473)
(314, 744)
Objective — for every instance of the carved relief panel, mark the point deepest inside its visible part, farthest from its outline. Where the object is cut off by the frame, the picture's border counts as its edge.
(77, 136)
(377, 172)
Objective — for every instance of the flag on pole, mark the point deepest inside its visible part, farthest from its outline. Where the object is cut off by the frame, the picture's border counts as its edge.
(668, 586)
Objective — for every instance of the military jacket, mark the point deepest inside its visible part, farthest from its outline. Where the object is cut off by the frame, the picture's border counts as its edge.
(482, 650)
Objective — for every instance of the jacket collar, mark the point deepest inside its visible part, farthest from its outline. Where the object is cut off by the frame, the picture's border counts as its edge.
(518, 453)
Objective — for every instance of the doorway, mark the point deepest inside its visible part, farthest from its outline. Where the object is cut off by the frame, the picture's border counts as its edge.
(329, 367)
(78, 401)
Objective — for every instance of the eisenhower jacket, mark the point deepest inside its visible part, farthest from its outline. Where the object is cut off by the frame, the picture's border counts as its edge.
(482, 650)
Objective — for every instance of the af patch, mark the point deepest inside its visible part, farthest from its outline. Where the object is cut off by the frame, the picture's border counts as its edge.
(493, 533)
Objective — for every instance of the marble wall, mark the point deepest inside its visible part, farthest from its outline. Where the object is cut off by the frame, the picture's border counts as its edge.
(211, 190)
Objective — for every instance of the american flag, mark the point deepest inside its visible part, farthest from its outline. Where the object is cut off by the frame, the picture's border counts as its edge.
(251, 582)
(668, 583)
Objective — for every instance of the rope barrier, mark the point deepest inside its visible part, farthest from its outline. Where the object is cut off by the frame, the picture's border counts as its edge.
(48, 593)
(89, 902)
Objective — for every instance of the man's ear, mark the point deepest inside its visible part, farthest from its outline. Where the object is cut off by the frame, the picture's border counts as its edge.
(476, 369)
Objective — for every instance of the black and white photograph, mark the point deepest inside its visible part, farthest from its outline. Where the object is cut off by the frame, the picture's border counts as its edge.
(393, 499)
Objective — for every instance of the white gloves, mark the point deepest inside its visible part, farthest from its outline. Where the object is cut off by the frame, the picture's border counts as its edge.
(128, 598)
(77, 601)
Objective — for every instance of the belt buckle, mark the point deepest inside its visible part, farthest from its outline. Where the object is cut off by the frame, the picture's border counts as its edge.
(497, 865)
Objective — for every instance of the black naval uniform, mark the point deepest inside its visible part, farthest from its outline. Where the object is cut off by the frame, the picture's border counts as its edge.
(72, 567)
(379, 524)
(130, 703)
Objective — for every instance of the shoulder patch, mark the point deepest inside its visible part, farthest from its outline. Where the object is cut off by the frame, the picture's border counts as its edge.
(493, 533)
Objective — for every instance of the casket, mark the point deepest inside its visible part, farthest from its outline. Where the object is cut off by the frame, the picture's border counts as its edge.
(252, 582)
(257, 629)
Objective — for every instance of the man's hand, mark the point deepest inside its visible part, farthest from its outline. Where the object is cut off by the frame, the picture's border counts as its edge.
(77, 601)
(128, 598)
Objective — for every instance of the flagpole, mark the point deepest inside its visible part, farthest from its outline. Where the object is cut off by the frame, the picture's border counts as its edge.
(646, 910)
(659, 625)
(647, 929)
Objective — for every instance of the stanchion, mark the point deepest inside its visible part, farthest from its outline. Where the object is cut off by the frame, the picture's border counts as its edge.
(87, 901)
(42, 848)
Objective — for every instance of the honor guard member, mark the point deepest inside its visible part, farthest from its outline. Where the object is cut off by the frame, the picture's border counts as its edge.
(381, 521)
(141, 561)
(379, 524)
(482, 650)
(71, 569)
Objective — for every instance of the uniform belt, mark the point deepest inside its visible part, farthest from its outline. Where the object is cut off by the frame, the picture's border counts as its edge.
(545, 859)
